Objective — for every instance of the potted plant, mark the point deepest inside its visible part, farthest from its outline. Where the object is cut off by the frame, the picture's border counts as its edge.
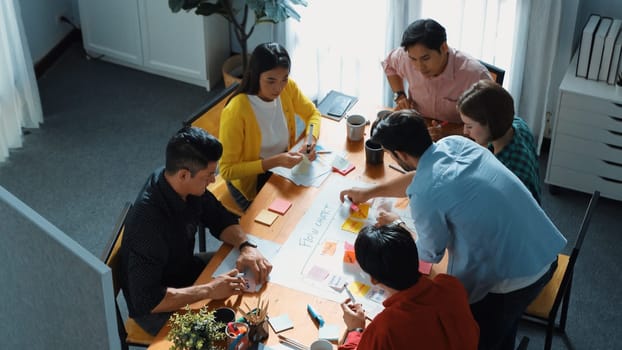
(196, 330)
(237, 13)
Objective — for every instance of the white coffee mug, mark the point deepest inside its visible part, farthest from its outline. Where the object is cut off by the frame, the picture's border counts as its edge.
(356, 127)
(321, 344)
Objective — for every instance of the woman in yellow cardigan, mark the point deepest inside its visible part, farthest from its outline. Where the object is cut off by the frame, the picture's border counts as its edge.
(258, 126)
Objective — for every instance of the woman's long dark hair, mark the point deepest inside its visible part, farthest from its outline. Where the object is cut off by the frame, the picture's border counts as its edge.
(265, 57)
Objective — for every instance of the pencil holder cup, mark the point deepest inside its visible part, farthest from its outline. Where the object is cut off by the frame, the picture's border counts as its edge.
(237, 335)
(258, 332)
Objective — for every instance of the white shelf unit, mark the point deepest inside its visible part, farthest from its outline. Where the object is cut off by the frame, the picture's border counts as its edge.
(146, 35)
(586, 143)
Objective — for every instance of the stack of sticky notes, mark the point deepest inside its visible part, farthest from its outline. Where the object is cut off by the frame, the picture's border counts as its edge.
(342, 165)
(268, 216)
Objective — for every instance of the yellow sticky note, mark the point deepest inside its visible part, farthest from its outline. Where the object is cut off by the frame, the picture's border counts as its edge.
(353, 226)
(266, 217)
(358, 288)
(362, 212)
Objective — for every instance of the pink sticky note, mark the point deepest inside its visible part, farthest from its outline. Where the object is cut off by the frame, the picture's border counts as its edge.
(425, 267)
(280, 206)
(348, 246)
(317, 273)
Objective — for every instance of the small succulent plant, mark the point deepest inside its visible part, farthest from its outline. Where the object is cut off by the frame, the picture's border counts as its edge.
(192, 330)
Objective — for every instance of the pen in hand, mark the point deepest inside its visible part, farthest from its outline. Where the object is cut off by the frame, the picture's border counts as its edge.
(309, 139)
(352, 300)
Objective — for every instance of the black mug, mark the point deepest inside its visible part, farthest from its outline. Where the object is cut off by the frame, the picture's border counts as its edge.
(374, 154)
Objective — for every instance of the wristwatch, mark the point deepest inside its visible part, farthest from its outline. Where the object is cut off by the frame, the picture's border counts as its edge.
(398, 94)
(398, 222)
(359, 330)
(247, 244)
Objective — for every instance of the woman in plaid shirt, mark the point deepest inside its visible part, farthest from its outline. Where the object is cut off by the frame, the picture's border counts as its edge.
(487, 111)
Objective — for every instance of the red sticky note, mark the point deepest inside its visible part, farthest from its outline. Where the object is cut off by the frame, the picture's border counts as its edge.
(344, 171)
(349, 257)
(425, 267)
(280, 206)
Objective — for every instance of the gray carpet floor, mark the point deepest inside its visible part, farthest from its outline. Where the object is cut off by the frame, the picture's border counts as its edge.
(106, 128)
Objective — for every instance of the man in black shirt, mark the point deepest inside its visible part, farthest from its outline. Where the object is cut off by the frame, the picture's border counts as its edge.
(157, 253)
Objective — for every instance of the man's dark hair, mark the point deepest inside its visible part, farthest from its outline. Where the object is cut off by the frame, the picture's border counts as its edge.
(404, 130)
(191, 148)
(488, 103)
(265, 57)
(389, 255)
(424, 31)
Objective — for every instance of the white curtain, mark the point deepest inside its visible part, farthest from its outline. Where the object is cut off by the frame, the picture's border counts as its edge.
(20, 105)
(537, 36)
(338, 45)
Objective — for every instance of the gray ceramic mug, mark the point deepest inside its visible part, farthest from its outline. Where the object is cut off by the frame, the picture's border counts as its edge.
(374, 154)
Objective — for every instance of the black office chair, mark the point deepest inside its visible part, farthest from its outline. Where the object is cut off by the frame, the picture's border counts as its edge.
(130, 333)
(543, 310)
(208, 118)
(497, 73)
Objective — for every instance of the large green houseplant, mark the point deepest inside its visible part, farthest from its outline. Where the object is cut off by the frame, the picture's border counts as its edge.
(237, 13)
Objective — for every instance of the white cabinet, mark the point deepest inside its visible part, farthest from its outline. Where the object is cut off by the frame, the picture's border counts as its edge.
(146, 35)
(586, 144)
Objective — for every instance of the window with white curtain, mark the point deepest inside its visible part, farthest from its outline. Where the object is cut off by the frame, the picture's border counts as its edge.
(340, 44)
(485, 29)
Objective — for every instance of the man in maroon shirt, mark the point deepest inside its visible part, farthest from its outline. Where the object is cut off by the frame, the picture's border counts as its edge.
(419, 312)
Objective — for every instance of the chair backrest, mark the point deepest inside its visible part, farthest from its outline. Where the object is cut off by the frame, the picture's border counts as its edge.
(111, 252)
(497, 73)
(207, 116)
(524, 343)
(565, 283)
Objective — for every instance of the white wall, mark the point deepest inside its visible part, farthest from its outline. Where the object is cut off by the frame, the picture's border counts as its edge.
(43, 30)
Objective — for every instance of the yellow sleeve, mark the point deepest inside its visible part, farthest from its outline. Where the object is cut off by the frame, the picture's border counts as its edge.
(305, 109)
(241, 140)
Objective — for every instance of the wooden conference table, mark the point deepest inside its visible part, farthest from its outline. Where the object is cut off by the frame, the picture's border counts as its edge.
(284, 300)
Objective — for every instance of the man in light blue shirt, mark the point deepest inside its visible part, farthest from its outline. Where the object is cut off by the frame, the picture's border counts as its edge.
(501, 244)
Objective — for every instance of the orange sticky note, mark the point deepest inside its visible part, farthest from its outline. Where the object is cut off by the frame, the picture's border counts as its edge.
(349, 257)
(402, 203)
(266, 217)
(280, 206)
(329, 248)
(352, 225)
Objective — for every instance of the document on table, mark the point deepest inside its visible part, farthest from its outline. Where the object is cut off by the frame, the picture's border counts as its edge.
(267, 248)
(314, 174)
